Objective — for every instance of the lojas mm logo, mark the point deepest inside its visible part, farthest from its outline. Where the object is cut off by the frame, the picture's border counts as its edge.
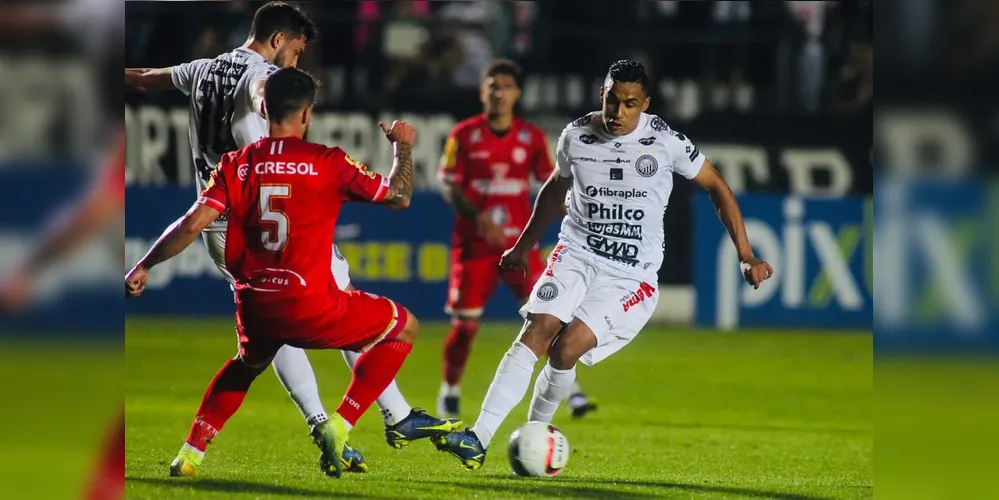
(822, 254)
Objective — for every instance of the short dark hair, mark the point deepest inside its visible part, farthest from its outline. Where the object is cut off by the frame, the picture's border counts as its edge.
(631, 71)
(280, 17)
(288, 91)
(503, 67)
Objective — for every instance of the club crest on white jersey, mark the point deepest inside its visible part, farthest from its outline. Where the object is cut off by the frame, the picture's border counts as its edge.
(621, 187)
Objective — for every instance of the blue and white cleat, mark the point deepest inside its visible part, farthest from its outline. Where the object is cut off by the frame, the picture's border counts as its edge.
(464, 445)
(352, 460)
(418, 425)
(580, 404)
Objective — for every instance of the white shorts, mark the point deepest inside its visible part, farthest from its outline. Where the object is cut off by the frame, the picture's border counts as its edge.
(613, 303)
(215, 241)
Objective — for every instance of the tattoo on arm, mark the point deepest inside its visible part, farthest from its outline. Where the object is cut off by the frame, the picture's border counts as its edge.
(401, 178)
(460, 202)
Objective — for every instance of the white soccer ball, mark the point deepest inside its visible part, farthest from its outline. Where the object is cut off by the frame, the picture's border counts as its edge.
(538, 449)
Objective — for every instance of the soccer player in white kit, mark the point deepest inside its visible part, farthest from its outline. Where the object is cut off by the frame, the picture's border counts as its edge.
(601, 280)
(227, 113)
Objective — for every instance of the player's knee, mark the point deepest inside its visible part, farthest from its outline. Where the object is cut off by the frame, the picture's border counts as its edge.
(255, 364)
(563, 356)
(410, 328)
(539, 332)
(571, 345)
(467, 325)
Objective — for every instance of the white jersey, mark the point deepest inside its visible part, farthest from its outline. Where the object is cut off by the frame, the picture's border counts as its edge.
(621, 188)
(222, 118)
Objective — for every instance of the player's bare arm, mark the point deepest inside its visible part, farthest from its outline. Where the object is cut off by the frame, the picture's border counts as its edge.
(548, 207)
(174, 240)
(148, 79)
(65, 234)
(708, 179)
(491, 231)
(403, 136)
(457, 199)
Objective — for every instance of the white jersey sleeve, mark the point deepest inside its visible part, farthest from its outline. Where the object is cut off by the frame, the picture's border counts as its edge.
(687, 158)
(562, 163)
(184, 75)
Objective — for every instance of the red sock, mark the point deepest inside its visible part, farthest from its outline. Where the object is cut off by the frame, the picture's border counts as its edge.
(373, 372)
(221, 400)
(457, 348)
(109, 481)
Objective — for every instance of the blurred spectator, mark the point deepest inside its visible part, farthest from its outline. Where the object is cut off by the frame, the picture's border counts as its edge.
(471, 23)
(717, 56)
(811, 62)
(852, 90)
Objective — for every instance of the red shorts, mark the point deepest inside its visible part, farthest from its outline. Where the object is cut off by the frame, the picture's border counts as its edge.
(473, 280)
(357, 324)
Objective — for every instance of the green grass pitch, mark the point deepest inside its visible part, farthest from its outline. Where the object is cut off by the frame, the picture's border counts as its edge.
(683, 414)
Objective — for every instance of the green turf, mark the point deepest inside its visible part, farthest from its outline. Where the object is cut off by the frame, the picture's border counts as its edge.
(682, 415)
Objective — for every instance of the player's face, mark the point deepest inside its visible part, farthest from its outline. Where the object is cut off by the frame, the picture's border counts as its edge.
(287, 50)
(499, 94)
(623, 104)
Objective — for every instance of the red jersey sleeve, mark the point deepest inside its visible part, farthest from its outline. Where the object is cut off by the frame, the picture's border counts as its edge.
(216, 194)
(452, 169)
(543, 165)
(355, 181)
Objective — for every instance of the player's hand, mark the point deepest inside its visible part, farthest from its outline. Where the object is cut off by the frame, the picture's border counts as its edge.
(756, 271)
(400, 131)
(16, 291)
(135, 281)
(490, 231)
(514, 258)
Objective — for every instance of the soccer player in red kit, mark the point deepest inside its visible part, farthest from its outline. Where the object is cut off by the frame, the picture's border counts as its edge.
(486, 169)
(283, 196)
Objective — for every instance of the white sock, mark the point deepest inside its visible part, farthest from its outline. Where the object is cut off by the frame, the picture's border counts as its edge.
(450, 390)
(293, 369)
(513, 376)
(391, 403)
(551, 387)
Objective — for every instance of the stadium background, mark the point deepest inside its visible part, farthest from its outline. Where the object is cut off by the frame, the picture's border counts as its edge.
(777, 94)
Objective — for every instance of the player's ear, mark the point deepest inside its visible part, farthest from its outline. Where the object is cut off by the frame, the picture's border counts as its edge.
(484, 93)
(306, 115)
(277, 39)
(645, 103)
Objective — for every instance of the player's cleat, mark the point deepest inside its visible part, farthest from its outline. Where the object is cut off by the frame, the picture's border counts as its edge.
(464, 445)
(330, 437)
(418, 425)
(580, 404)
(352, 460)
(186, 464)
(447, 406)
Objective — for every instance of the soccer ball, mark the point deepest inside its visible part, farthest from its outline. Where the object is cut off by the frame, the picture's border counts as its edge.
(538, 449)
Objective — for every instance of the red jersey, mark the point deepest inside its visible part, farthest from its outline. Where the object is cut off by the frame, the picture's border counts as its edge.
(283, 196)
(494, 172)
